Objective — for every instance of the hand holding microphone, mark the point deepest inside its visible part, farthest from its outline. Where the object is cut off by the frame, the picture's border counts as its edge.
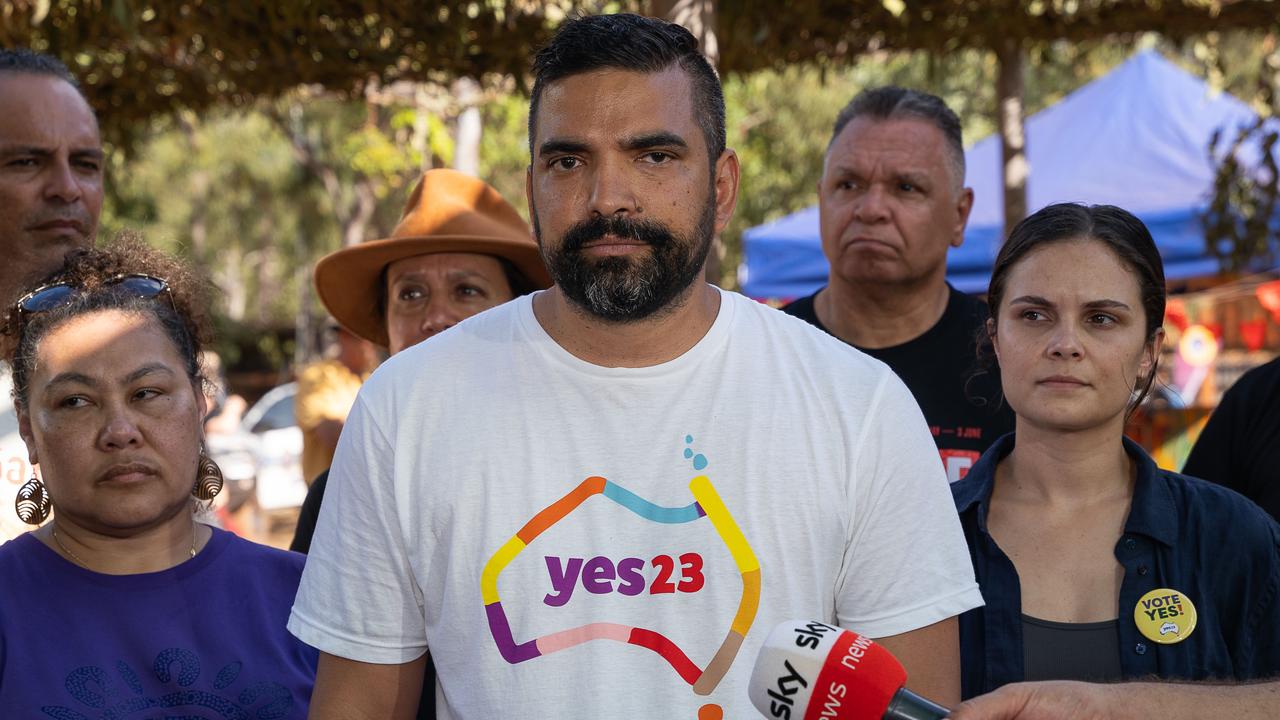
(809, 670)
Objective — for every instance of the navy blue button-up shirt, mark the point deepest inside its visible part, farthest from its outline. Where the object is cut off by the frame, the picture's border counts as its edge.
(1182, 534)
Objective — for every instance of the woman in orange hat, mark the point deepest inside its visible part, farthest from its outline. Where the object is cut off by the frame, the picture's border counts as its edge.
(458, 250)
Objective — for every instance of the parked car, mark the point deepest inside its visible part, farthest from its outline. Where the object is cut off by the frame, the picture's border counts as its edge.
(277, 449)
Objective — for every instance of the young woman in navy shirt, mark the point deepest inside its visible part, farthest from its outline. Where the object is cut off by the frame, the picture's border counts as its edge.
(1094, 563)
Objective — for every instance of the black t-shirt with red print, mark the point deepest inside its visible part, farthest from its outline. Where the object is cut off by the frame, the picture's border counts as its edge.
(960, 398)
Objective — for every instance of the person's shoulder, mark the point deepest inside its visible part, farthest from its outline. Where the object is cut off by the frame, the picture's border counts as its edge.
(1203, 503)
(1258, 385)
(16, 551)
(261, 558)
(970, 308)
(835, 381)
(789, 334)
(802, 308)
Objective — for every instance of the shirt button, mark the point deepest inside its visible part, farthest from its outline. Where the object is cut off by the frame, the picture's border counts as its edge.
(1140, 648)
(1142, 569)
(1130, 543)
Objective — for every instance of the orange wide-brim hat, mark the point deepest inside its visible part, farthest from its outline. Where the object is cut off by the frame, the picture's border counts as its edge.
(447, 212)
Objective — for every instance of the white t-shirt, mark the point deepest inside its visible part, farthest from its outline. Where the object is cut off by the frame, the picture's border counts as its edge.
(573, 540)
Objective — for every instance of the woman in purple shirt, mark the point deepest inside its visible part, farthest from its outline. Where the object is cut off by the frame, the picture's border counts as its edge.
(121, 603)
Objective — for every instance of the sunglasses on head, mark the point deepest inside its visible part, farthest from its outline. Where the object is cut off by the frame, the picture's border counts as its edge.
(55, 295)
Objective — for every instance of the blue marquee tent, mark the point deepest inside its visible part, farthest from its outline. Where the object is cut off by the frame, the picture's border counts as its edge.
(1137, 137)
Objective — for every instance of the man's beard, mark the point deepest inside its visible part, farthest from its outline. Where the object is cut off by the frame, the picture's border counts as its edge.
(622, 289)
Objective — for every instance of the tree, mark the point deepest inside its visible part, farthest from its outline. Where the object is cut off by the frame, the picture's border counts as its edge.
(1242, 222)
(773, 33)
(140, 58)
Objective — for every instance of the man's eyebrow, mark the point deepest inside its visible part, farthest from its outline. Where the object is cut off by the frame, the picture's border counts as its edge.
(94, 153)
(25, 150)
(556, 145)
(653, 140)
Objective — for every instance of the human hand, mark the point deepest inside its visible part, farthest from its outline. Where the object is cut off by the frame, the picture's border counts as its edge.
(1059, 700)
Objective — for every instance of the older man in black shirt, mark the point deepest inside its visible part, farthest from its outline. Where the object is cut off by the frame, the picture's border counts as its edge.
(891, 202)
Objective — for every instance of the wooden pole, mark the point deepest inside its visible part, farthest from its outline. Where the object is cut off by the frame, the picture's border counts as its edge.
(1010, 117)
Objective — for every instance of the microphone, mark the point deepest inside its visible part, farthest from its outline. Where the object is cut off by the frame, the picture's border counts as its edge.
(809, 670)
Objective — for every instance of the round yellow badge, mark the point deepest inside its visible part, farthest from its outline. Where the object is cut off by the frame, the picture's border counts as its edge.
(1165, 616)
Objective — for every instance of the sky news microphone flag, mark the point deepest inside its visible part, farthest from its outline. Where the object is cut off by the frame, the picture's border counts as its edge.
(809, 670)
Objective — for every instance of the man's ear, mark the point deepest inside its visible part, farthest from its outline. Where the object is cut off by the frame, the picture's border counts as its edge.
(964, 205)
(528, 196)
(728, 174)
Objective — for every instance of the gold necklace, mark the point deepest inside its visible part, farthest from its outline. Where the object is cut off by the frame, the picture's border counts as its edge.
(85, 565)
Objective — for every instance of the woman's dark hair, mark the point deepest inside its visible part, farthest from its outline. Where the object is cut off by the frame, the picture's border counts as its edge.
(181, 311)
(1114, 227)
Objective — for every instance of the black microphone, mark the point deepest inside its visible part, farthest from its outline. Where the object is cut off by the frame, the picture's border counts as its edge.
(809, 670)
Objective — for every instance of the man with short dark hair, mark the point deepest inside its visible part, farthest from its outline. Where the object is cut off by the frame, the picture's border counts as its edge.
(597, 500)
(891, 202)
(50, 169)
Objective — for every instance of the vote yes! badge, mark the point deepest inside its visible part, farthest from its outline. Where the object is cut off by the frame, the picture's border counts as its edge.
(1165, 616)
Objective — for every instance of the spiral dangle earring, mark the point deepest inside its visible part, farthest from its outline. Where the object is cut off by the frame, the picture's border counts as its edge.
(208, 478)
(32, 503)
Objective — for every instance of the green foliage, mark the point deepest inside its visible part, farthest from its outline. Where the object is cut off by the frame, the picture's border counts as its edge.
(504, 147)
(140, 58)
(759, 34)
(373, 153)
(439, 140)
(226, 194)
(1240, 224)
(230, 192)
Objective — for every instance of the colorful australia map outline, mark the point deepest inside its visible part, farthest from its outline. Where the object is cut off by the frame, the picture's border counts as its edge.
(707, 503)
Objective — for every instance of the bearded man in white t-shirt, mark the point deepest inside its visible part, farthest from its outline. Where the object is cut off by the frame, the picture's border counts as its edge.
(597, 500)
